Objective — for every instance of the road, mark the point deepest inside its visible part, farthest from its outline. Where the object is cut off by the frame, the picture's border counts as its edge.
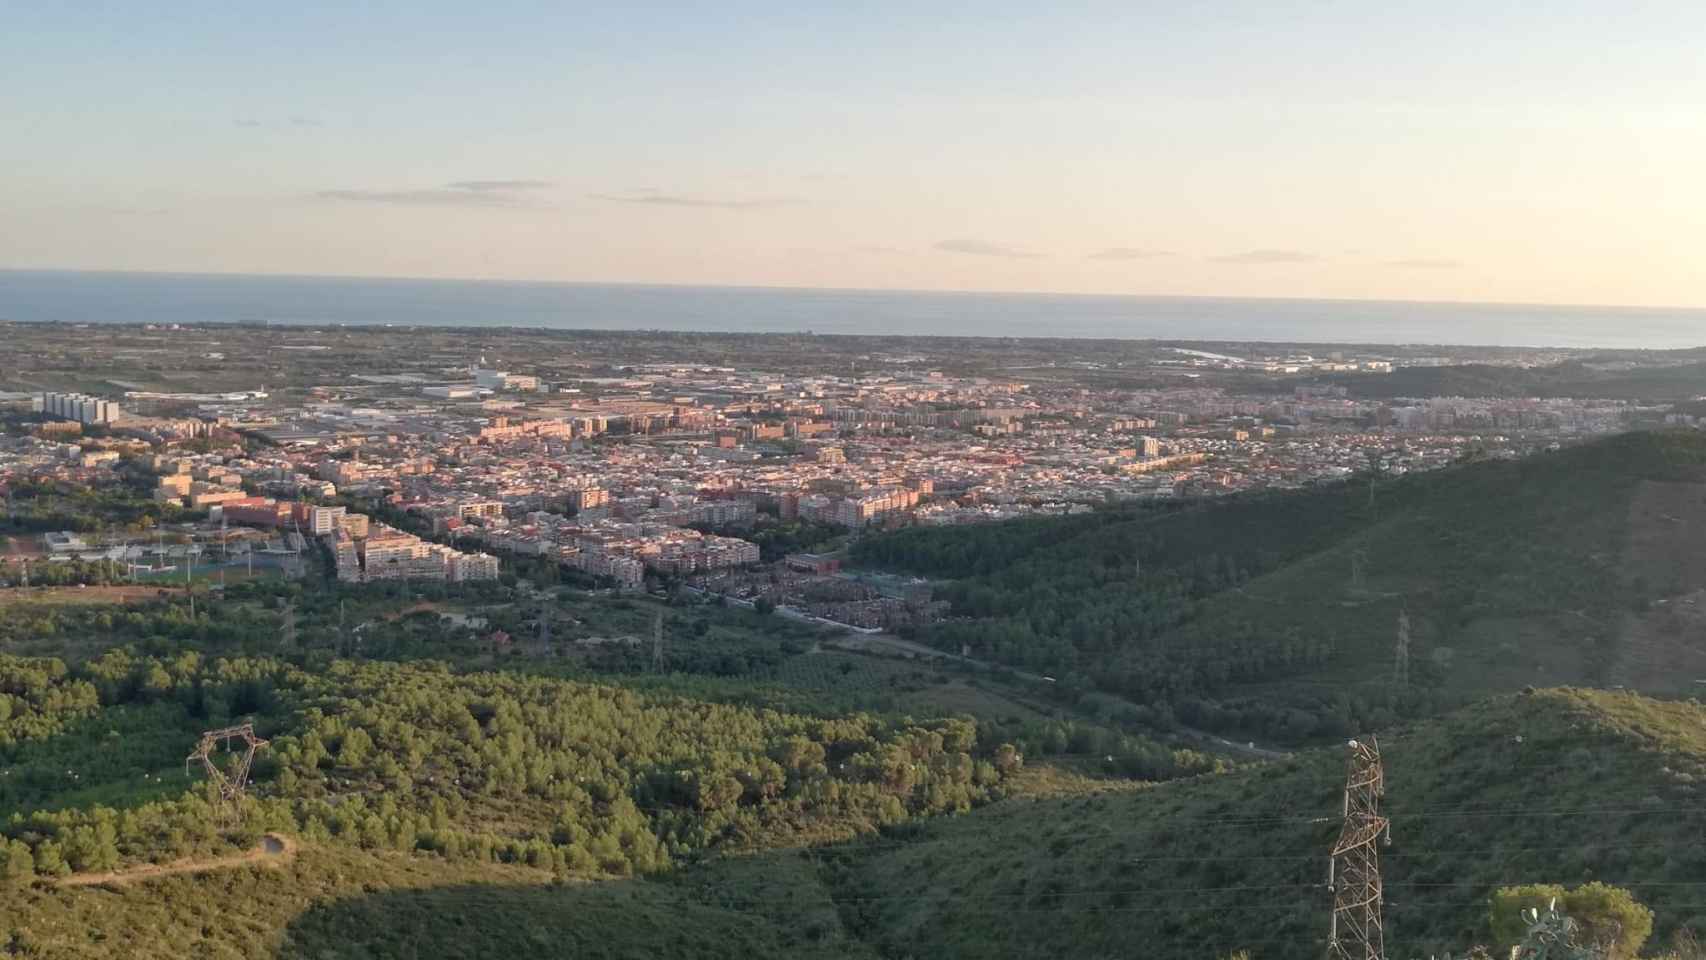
(273, 848)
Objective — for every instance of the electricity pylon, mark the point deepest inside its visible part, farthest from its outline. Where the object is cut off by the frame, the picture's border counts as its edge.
(657, 642)
(231, 788)
(1357, 932)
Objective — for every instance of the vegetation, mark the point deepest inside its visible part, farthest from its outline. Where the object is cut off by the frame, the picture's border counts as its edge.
(1553, 787)
(1607, 918)
(1558, 786)
(581, 779)
(454, 785)
(42, 506)
(334, 901)
(1275, 614)
(1582, 377)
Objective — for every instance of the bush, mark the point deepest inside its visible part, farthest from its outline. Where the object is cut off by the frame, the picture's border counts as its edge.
(1610, 918)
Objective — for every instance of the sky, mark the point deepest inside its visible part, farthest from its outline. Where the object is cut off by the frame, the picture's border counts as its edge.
(1490, 151)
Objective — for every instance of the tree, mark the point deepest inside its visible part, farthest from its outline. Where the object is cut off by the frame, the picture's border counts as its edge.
(49, 861)
(17, 865)
(1607, 918)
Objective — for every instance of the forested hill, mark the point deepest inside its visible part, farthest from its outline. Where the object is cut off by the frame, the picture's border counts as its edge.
(1278, 614)
(1559, 786)
(1682, 380)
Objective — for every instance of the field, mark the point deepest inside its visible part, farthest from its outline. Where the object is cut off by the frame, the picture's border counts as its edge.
(88, 595)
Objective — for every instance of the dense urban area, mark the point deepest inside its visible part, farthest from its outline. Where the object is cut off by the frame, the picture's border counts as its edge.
(603, 453)
(830, 646)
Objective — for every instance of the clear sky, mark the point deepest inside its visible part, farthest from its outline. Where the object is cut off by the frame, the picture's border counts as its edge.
(1546, 152)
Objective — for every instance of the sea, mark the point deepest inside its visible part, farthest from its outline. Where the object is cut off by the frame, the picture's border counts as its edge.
(165, 298)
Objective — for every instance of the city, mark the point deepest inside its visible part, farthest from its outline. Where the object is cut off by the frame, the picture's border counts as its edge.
(629, 470)
(877, 481)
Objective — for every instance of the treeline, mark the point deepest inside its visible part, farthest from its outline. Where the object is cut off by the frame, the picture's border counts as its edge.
(573, 777)
(40, 506)
(1572, 378)
(37, 698)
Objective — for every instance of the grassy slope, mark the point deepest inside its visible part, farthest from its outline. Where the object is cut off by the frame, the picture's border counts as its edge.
(332, 903)
(1092, 876)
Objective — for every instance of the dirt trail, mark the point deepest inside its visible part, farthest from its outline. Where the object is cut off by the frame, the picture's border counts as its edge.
(273, 849)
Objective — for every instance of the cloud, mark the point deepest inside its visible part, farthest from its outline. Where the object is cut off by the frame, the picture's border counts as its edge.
(301, 121)
(1425, 263)
(462, 193)
(658, 198)
(482, 186)
(979, 248)
(1128, 253)
(1268, 256)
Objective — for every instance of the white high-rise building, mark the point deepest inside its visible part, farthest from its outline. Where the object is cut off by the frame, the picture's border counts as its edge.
(80, 407)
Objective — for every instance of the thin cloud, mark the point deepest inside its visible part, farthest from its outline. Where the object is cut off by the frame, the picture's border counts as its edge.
(462, 193)
(1425, 263)
(1128, 253)
(1268, 256)
(980, 248)
(483, 186)
(655, 198)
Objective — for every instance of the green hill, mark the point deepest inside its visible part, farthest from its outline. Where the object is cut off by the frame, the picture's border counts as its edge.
(1277, 614)
(1672, 375)
(1558, 786)
(340, 903)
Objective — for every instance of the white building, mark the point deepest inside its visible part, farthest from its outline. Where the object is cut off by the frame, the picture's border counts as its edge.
(80, 407)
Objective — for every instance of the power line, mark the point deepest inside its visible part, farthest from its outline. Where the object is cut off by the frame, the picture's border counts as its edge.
(855, 846)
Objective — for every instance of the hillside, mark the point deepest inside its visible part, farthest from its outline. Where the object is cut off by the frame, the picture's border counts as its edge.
(1557, 786)
(1277, 614)
(1613, 376)
(332, 902)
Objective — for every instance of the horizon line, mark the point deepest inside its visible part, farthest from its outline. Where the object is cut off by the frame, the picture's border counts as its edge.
(653, 284)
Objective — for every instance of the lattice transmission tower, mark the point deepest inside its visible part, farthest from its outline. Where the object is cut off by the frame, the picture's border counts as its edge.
(231, 786)
(1357, 931)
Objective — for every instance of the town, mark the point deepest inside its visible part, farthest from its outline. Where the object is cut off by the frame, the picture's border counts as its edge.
(629, 470)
